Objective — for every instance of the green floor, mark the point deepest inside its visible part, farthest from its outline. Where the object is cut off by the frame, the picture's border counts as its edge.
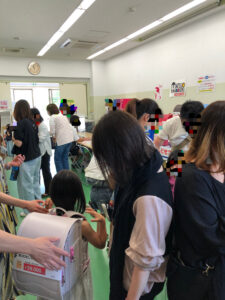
(99, 258)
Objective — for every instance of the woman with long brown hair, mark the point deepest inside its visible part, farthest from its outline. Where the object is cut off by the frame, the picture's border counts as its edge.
(196, 269)
(26, 143)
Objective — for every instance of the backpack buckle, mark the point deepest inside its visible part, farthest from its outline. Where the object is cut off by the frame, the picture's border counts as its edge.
(208, 268)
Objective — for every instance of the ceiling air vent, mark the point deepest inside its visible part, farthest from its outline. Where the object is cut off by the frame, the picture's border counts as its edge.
(84, 44)
(12, 50)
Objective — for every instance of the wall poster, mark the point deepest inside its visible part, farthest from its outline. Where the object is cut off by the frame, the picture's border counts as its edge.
(206, 83)
(178, 88)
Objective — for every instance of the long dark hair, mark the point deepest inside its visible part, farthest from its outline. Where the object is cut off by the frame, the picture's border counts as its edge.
(138, 108)
(120, 146)
(22, 110)
(66, 191)
(36, 115)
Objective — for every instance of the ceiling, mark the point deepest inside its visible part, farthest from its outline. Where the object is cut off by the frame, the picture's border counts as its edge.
(29, 24)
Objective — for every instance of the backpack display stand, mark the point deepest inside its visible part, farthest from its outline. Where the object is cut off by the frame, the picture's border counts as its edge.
(33, 278)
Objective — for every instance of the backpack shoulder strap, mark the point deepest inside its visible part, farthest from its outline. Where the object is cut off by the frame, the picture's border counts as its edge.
(186, 141)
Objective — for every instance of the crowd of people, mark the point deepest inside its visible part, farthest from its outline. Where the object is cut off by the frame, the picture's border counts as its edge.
(162, 225)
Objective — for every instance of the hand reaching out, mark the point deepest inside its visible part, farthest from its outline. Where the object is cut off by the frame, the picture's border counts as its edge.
(35, 206)
(97, 217)
(48, 203)
(46, 253)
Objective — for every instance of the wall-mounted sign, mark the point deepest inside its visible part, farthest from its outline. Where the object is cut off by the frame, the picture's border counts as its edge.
(206, 83)
(178, 88)
(4, 104)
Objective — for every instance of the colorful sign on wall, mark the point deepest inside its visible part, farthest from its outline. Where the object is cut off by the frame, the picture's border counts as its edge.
(178, 88)
(116, 104)
(206, 83)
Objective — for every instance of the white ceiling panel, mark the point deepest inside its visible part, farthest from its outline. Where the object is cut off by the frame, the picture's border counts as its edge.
(105, 22)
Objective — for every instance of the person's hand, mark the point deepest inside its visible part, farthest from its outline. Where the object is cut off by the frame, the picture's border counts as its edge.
(35, 206)
(46, 253)
(54, 140)
(48, 203)
(97, 217)
(17, 161)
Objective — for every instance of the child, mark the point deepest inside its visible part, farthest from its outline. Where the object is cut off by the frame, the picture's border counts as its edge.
(66, 192)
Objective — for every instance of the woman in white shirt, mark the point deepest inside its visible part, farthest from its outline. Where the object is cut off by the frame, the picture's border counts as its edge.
(63, 134)
(45, 148)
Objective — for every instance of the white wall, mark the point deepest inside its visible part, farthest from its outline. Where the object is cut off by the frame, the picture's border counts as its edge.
(98, 89)
(76, 92)
(13, 66)
(185, 53)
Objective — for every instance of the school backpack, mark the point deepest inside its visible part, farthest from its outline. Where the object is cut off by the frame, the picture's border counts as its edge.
(32, 277)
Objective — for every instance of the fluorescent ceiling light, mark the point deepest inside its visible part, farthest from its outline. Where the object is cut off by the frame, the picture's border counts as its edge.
(120, 42)
(71, 20)
(182, 9)
(85, 4)
(156, 23)
(44, 50)
(144, 29)
(96, 54)
(56, 36)
(77, 13)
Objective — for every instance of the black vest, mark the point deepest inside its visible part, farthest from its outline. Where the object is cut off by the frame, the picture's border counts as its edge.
(145, 181)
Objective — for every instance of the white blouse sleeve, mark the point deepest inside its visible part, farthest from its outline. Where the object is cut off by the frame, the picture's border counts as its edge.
(52, 126)
(75, 134)
(147, 243)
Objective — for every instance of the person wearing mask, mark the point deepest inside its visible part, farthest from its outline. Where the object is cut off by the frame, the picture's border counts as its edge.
(45, 148)
(175, 131)
(26, 143)
(142, 210)
(196, 270)
(144, 111)
(63, 133)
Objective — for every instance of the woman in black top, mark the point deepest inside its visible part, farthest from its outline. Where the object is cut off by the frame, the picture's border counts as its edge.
(26, 143)
(196, 271)
(142, 211)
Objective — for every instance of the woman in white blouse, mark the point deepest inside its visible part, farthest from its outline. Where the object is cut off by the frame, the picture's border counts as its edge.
(45, 148)
(63, 134)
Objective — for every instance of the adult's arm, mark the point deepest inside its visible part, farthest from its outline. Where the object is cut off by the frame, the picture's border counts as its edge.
(158, 142)
(17, 143)
(42, 249)
(52, 126)
(30, 205)
(138, 283)
(147, 243)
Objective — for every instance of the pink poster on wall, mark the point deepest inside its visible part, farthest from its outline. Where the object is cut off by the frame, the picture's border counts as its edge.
(4, 104)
